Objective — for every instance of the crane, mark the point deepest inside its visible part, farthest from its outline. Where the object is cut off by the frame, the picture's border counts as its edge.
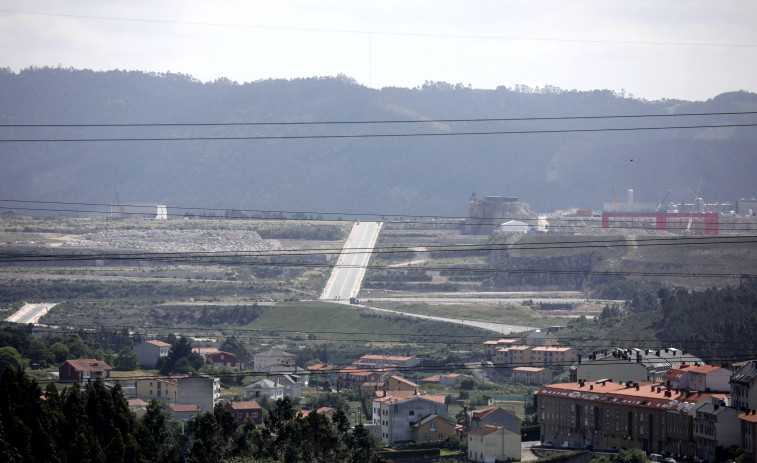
(696, 200)
(118, 205)
(659, 206)
(615, 201)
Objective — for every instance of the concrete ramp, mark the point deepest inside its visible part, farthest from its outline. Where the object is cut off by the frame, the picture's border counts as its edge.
(348, 273)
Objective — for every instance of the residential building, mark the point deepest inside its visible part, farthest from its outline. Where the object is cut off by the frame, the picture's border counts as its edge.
(639, 365)
(164, 390)
(292, 384)
(138, 407)
(202, 390)
(709, 378)
(272, 357)
(748, 435)
(218, 358)
(264, 388)
(353, 377)
(715, 425)
(243, 411)
(541, 338)
(494, 416)
(83, 370)
(150, 351)
(433, 428)
(532, 375)
(386, 361)
(744, 387)
(397, 385)
(610, 415)
(490, 347)
(445, 380)
(677, 378)
(179, 412)
(552, 356)
(396, 417)
(493, 443)
(513, 356)
(328, 412)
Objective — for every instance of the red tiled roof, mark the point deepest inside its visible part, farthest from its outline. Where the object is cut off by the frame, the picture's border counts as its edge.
(648, 395)
(155, 342)
(750, 416)
(185, 408)
(136, 403)
(243, 405)
(707, 369)
(89, 365)
(321, 367)
(533, 369)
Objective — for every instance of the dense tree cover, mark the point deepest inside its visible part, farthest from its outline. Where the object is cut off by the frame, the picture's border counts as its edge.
(624, 456)
(717, 324)
(53, 349)
(180, 358)
(95, 425)
(554, 171)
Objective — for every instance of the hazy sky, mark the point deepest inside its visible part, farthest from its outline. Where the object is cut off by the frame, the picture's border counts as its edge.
(690, 49)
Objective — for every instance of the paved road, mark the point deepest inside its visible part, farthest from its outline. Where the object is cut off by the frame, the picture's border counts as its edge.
(30, 313)
(348, 273)
(496, 327)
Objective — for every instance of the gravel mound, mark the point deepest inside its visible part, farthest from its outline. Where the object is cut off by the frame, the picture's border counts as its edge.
(173, 240)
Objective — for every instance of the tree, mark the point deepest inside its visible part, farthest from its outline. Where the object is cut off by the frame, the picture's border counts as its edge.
(126, 360)
(9, 357)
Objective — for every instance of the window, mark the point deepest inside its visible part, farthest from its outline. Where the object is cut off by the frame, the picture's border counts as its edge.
(441, 436)
(432, 427)
(411, 412)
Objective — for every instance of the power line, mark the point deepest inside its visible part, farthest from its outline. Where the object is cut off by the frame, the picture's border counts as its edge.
(369, 122)
(385, 33)
(359, 136)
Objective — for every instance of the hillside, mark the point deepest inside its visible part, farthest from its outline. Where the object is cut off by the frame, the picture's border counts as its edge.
(388, 175)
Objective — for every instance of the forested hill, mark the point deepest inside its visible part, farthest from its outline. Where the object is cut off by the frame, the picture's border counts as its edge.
(389, 175)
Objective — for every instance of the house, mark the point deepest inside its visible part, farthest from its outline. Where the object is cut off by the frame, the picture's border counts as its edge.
(553, 356)
(609, 416)
(353, 377)
(532, 375)
(715, 425)
(541, 338)
(164, 390)
(292, 384)
(264, 388)
(513, 356)
(138, 407)
(243, 411)
(282, 369)
(328, 412)
(494, 416)
(633, 364)
(433, 428)
(218, 358)
(744, 387)
(445, 380)
(183, 412)
(83, 370)
(324, 371)
(707, 378)
(493, 443)
(395, 418)
(202, 390)
(397, 385)
(150, 351)
(677, 378)
(272, 357)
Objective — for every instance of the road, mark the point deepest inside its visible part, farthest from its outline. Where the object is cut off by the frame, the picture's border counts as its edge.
(349, 270)
(496, 327)
(30, 313)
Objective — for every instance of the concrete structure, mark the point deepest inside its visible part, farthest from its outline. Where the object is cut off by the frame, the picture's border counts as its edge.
(621, 365)
(264, 388)
(609, 415)
(164, 390)
(532, 375)
(244, 411)
(492, 444)
(744, 387)
(715, 425)
(386, 361)
(432, 429)
(150, 351)
(202, 390)
(396, 417)
(83, 371)
(272, 357)
(513, 226)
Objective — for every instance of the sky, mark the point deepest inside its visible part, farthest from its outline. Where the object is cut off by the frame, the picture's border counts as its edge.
(692, 49)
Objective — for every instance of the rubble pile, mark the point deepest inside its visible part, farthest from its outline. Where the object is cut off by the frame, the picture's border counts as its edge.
(173, 240)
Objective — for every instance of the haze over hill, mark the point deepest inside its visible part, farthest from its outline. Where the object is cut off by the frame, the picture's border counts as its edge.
(383, 175)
